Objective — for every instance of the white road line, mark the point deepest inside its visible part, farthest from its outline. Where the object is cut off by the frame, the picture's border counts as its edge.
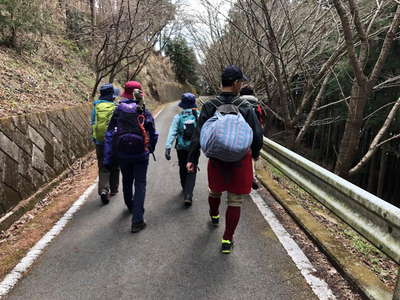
(157, 114)
(318, 285)
(23, 266)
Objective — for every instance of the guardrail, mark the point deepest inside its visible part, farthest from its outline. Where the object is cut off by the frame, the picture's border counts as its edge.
(374, 218)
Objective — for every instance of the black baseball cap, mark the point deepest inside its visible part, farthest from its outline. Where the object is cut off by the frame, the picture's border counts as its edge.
(233, 73)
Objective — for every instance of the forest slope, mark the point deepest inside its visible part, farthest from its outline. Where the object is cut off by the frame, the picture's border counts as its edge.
(57, 75)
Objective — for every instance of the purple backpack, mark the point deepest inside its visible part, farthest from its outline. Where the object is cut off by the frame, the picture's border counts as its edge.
(129, 138)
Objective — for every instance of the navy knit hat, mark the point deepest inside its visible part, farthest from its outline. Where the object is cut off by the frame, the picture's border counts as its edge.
(108, 92)
(188, 100)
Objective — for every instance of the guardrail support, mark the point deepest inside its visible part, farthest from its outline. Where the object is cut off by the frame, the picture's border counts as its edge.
(396, 295)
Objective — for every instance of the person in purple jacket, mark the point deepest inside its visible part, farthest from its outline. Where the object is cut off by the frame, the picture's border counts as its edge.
(130, 139)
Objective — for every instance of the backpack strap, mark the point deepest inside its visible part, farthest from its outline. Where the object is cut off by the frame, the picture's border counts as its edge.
(196, 117)
(146, 139)
(219, 100)
(180, 123)
(243, 102)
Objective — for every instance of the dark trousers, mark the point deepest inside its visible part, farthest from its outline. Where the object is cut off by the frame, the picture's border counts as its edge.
(135, 174)
(188, 180)
(108, 179)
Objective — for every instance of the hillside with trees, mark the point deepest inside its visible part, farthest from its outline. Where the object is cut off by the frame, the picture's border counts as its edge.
(56, 53)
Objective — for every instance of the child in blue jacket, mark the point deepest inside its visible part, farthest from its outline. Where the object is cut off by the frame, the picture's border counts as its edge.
(181, 131)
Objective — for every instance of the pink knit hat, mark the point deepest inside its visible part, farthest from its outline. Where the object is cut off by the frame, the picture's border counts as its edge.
(129, 87)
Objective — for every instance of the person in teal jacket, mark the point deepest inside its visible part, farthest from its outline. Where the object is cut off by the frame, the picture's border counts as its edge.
(180, 132)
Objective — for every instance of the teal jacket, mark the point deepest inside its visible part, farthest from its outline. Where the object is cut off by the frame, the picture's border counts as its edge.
(174, 131)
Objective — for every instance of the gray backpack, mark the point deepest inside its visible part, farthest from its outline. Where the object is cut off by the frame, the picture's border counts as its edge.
(226, 136)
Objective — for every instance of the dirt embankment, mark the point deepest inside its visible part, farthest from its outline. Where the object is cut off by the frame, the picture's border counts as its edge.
(57, 75)
(53, 77)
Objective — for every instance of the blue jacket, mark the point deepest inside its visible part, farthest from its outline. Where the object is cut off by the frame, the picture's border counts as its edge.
(174, 133)
(110, 157)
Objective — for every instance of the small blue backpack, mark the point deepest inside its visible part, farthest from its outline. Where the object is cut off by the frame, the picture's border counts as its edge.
(186, 126)
(226, 136)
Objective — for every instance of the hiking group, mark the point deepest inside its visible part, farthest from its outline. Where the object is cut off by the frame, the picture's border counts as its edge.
(228, 130)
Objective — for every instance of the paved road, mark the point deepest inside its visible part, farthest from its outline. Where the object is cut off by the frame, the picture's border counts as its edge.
(175, 257)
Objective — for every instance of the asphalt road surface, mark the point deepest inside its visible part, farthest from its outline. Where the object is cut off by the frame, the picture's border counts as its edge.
(176, 257)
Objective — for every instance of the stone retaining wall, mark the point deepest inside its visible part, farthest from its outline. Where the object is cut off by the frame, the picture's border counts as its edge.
(36, 148)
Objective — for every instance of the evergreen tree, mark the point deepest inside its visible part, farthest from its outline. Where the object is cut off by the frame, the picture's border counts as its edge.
(184, 60)
(19, 16)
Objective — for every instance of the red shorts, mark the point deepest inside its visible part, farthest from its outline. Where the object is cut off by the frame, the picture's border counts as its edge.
(235, 177)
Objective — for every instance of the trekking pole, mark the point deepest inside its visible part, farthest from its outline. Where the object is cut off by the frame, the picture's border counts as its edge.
(154, 157)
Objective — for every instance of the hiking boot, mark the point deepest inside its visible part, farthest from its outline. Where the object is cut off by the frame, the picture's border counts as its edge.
(188, 201)
(136, 227)
(215, 220)
(255, 185)
(105, 198)
(227, 246)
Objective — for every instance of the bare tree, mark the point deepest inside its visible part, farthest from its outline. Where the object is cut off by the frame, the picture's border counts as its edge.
(377, 141)
(363, 81)
(126, 37)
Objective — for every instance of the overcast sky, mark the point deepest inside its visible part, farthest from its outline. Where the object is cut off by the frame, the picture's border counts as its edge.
(195, 6)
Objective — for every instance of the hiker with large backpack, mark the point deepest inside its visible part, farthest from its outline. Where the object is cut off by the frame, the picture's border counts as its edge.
(230, 135)
(130, 139)
(181, 131)
(102, 112)
(247, 93)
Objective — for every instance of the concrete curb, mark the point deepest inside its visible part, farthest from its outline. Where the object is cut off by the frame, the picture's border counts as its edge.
(26, 205)
(363, 278)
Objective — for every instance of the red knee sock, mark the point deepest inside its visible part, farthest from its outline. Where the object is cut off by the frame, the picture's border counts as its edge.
(231, 222)
(214, 205)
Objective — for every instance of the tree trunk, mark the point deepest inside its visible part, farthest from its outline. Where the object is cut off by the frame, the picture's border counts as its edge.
(13, 39)
(96, 85)
(351, 137)
(382, 173)
(92, 15)
(373, 175)
(313, 142)
(312, 113)
(328, 144)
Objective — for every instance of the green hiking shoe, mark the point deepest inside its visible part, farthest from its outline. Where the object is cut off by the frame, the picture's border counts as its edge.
(227, 246)
(215, 220)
